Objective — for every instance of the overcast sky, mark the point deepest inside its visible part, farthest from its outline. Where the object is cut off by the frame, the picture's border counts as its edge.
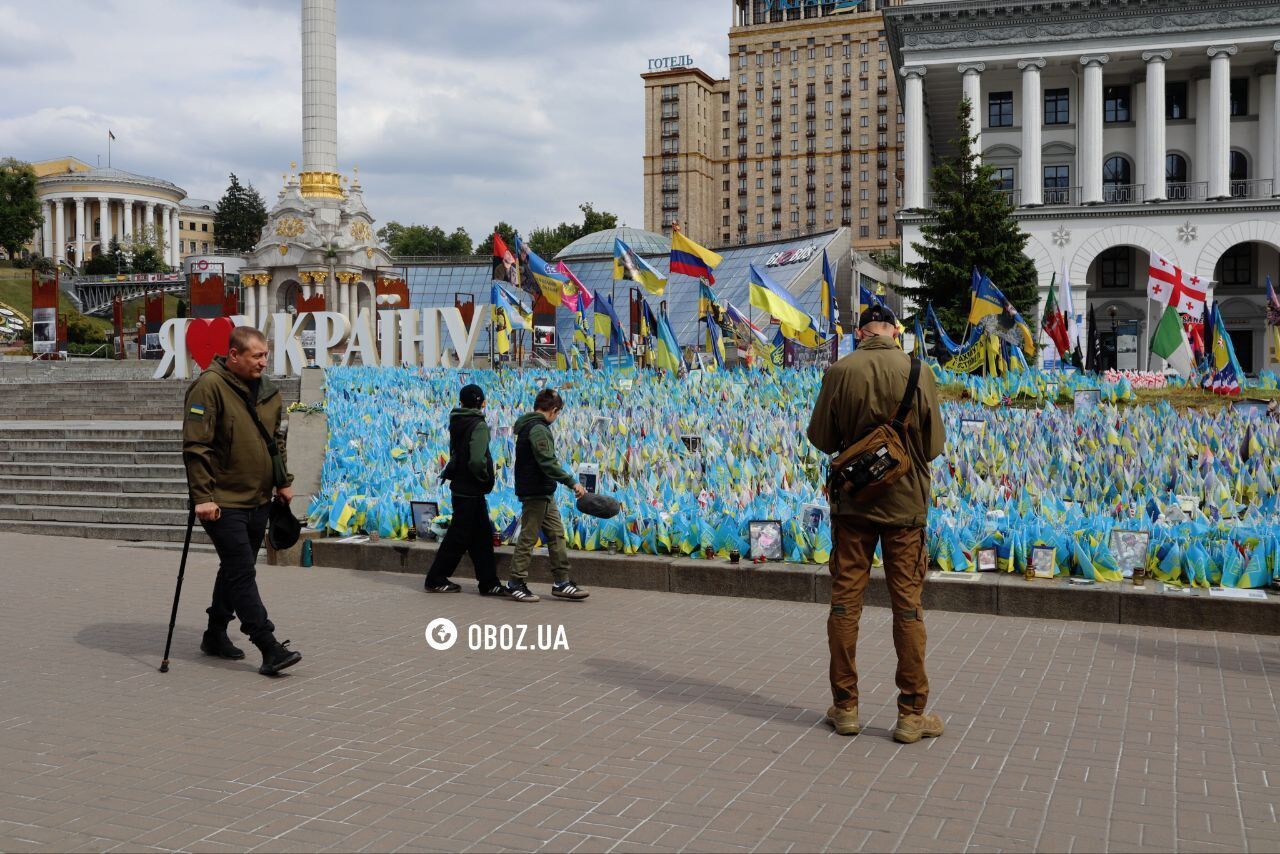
(457, 113)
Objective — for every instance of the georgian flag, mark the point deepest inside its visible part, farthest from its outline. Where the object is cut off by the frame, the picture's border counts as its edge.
(1167, 285)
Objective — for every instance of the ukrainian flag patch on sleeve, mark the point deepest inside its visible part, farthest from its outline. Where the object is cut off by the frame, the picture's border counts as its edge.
(195, 411)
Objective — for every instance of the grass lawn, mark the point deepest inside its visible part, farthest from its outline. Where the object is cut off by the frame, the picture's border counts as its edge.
(15, 291)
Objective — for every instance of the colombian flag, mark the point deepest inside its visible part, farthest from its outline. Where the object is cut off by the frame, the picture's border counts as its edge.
(627, 265)
(768, 295)
(691, 259)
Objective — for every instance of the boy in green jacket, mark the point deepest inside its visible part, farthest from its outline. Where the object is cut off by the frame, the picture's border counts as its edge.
(536, 474)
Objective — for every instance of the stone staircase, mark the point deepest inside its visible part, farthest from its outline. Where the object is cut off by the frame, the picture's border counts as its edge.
(96, 458)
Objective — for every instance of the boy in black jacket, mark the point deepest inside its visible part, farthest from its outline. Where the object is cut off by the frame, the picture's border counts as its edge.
(470, 476)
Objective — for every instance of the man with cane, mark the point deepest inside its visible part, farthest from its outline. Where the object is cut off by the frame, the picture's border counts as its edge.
(233, 449)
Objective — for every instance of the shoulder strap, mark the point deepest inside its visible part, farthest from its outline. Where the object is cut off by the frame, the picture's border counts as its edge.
(257, 422)
(909, 398)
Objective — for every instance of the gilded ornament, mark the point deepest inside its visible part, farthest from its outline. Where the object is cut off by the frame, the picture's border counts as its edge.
(284, 248)
(290, 227)
(360, 230)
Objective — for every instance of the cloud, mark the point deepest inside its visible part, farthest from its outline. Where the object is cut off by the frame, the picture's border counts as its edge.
(456, 113)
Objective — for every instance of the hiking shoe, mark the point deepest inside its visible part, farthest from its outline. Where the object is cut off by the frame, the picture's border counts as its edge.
(445, 586)
(217, 644)
(495, 590)
(520, 592)
(912, 728)
(276, 657)
(844, 720)
(568, 590)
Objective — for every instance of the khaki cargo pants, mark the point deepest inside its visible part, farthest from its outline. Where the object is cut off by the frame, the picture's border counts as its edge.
(905, 563)
(540, 515)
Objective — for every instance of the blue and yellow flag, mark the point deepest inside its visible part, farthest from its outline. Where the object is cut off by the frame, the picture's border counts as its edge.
(666, 350)
(608, 325)
(794, 322)
(627, 265)
(550, 282)
(517, 315)
(987, 300)
(691, 259)
(710, 311)
(1225, 367)
(827, 304)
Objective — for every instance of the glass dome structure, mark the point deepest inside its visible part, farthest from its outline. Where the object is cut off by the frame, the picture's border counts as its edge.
(601, 243)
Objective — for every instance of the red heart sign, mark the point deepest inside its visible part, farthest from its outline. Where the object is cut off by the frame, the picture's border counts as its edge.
(208, 337)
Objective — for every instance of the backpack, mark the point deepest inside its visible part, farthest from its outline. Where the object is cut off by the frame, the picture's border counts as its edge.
(879, 459)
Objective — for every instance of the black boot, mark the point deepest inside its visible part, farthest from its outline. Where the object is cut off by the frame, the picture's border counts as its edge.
(276, 657)
(216, 643)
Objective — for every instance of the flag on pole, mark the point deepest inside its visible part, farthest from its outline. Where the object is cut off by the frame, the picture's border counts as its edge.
(1168, 285)
(828, 307)
(710, 312)
(576, 295)
(691, 259)
(1170, 342)
(1227, 373)
(517, 314)
(111, 135)
(1273, 320)
(767, 295)
(627, 265)
(1054, 325)
(608, 325)
(550, 282)
(1068, 311)
(666, 350)
(505, 268)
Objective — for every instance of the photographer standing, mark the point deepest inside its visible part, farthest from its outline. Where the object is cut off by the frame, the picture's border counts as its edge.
(233, 448)
(861, 392)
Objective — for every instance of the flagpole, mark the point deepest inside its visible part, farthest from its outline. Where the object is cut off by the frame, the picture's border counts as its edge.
(1145, 331)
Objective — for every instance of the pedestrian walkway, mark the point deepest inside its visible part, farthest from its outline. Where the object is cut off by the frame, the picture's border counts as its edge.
(671, 722)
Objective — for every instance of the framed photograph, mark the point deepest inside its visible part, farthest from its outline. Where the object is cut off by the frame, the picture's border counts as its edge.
(624, 384)
(986, 560)
(1042, 561)
(765, 537)
(423, 513)
(588, 474)
(813, 515)
(1129, 548)
(974, 428)
(1087, 399)
(544, 336)
(692, 443)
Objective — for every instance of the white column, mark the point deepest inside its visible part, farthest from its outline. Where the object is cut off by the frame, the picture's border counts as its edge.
(104, 216)
(1155, 149)
(250, 307)
(1032, 128)
(1089, 157)
(971, 84)
(149, 218)
(46, 243)
(1266, 158)
(319, 86)
(174, 242)
(127, 220)
(344, 299)
(80, 232)
(1275, 129)
(1220, 119)
(59, 230)
(914, 166)
(1138, 109)
(1200, 163)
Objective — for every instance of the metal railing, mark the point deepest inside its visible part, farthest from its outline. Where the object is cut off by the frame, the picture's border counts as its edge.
(1252, 189)
(1123, 194)
(1061, 196)
(1013, 197)
(1187, 191)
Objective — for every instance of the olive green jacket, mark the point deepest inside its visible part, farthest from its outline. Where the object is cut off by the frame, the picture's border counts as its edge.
(859, 393)
(225, 455)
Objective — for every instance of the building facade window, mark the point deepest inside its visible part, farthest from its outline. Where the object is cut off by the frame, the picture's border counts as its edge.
(1000, 109)
(1002, 177)
(1115, 104)
(1114, 269)
(1057, 106)
(1235, 268)
(1175, 100)
(1240, 96)
(1057, 184)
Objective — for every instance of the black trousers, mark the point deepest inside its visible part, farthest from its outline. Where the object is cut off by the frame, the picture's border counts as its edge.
(469, 533)
(237, 536)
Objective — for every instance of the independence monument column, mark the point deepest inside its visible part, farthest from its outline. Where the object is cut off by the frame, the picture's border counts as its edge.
(319, 176)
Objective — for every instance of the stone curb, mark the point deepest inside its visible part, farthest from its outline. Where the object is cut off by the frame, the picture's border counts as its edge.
(997, 594)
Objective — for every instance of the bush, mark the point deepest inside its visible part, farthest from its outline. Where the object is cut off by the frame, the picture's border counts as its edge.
(81, 331)
(100, 265)
(76, 349)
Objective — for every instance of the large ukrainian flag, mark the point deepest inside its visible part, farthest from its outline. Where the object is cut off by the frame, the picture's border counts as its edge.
(627, 265)
(987, 300)
(768, 295)
(691, 259)
(666, 349)
(551, 283)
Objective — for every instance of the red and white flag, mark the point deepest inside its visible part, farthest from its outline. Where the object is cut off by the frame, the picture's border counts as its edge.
(1167, 285)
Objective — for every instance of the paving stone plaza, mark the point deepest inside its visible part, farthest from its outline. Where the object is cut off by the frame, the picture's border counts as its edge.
(672, 722)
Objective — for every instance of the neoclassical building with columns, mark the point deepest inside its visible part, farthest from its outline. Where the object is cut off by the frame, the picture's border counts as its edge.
(1118, 128)
(84, 207)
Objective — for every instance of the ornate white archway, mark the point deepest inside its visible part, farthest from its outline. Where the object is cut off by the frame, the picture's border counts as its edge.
(1249, 231)
(1118, 235)
(1039, 255)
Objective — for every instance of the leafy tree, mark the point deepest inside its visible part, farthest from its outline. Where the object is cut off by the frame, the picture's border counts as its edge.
(19, 207)
(971, 226)
(241, 214)
(404, 240)
(147, 251)
(100, 265)
(81, 330)
(508, 233)
(548, 241)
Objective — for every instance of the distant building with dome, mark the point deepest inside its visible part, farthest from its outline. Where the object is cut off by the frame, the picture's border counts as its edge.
(600, 244)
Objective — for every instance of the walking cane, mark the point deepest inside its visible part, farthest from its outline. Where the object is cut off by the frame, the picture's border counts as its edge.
(182, 568)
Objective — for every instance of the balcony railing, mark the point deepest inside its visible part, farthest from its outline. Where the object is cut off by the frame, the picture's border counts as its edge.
(1187, 191)
(1123, 194)
(1255, 189)
(669, 99)
(1061, 196)
(670, 134)
(670, 114)
(1011, 196)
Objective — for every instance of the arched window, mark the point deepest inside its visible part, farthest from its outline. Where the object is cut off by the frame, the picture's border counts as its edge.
(1235, 267)
(1117, 180)
(1238, 171)
(1175, 174)
(1114, 268)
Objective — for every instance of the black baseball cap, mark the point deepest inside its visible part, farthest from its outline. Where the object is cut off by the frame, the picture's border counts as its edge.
(877, 314)
(471, 395)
